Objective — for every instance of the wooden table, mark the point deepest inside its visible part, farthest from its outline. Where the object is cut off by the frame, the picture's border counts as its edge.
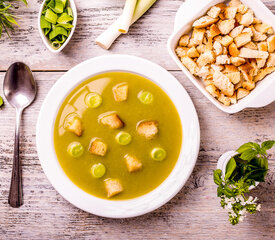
(195, 212)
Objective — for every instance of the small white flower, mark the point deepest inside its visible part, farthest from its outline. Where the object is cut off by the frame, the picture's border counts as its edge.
(241, 218)
(255, 200)
(243, 212)
(249, 200)
(258, 208)
(241, 200)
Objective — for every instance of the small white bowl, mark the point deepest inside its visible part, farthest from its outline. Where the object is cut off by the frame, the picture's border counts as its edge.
(190, 10)
(126, 208)
(45, 39)
(224, 159)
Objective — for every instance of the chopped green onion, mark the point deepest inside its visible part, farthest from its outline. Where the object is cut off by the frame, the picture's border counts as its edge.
(1, 101)
(75, 149)
(44, 23)
(98, 170)
(93, 100)
(70, 11)
(50, 16)
(123, 138)
(58, 31)
(158, 154)
(145, 97)
(59, 7)
(64, 18)
(65, 25)
(64, 2)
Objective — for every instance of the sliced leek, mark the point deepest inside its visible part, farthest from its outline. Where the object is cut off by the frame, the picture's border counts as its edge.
(106, 39)
(127, 15)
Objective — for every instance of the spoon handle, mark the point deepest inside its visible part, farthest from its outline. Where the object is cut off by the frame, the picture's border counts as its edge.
(16, 193)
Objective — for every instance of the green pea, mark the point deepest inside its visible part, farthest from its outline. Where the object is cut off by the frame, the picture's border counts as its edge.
(123, 138)
(98, 170)
(93, 100)
(1, 101)
(158, 154)
(75, 149)
(145, 97)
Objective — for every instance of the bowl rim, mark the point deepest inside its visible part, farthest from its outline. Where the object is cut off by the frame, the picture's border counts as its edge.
(45, 39)
(262, 95)
(118, 208)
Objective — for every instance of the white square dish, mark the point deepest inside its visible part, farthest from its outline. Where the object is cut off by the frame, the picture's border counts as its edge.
(264, 93)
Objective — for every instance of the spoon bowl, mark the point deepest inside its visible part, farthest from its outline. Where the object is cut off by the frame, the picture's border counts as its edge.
(20, 91)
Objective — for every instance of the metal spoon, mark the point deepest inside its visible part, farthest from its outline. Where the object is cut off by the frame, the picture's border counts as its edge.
(20, 91)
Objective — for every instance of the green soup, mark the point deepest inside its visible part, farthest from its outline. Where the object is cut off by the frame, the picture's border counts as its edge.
(156, 107)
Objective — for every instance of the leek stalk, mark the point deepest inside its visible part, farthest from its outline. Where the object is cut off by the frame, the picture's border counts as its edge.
(127, 15)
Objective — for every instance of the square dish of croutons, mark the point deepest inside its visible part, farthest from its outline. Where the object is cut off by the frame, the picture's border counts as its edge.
(226, 50)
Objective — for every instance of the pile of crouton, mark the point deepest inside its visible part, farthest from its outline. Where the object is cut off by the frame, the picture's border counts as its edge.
(230, 50)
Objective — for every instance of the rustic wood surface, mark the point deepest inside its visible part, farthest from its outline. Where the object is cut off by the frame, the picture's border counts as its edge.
(194, 213)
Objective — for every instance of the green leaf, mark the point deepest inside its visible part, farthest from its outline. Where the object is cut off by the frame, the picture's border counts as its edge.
(247, 146)
(267, 144)
(1, 99)
(218, 176)
(257, 175)
(248, 154)
(220, 191)
(11, 19)
(230, 167)
(259, 163)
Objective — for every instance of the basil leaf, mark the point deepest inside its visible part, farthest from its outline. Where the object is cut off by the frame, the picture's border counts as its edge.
(220, 191)
(259, 163)
(257, 175)
(230, 167)
(246, 146)
(267, 144)
(248, 154)
(218, 176)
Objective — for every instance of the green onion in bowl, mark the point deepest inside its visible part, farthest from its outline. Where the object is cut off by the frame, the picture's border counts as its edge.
(57, 20)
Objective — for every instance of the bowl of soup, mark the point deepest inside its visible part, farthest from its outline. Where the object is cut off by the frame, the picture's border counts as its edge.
(118, 136)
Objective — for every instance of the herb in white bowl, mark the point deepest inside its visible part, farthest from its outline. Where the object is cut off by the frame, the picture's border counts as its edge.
(243, 170)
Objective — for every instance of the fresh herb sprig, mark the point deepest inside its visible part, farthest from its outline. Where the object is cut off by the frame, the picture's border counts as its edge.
(7, 19)
(242, 171)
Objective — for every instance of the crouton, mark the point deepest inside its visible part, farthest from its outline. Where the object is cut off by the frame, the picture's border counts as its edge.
(271, 44)
(234, 77)
(184, 41)
(181, 51)
(223, 83)
(198, 35)
(74, 125)
(256, 21)
(233, 50)
(242, 39)
(214, 12)
(251, 45)
(230, 12)
(222, 6)
(213, 90)
(249, 53)
(238, 85)
(242, 9)
(203, 72)
(234, 3)
(248, 71)
(238, 17)
(236, 31)
(233, 99)
(113, 187)
(111, 120)
(201, 48)
(248, 85)
(132, 163)
(204, 22)
(262, 46)
(98, 147)
(189, 64)
(260, 62)
(225, 100)
(191, 43)
(247, 19)
(222, 59)
(193, 53)
(217, 48)
(216, 68)
(226, 40)
(264, 28)
(253, 64)
(221, 16)
(237, 61)
(209, 44)
(214, 30)
(120, 92)
(206, 58)
(226, 26)
(147, 129)
(224, 51)
(258, 36)
(230, 68)
(271, 60)
(263, 73)
(241, 93)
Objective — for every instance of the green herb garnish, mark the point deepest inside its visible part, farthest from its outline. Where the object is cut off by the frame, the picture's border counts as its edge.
(7, 19)
(1, 101)
(56, 21)
(242, 171)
